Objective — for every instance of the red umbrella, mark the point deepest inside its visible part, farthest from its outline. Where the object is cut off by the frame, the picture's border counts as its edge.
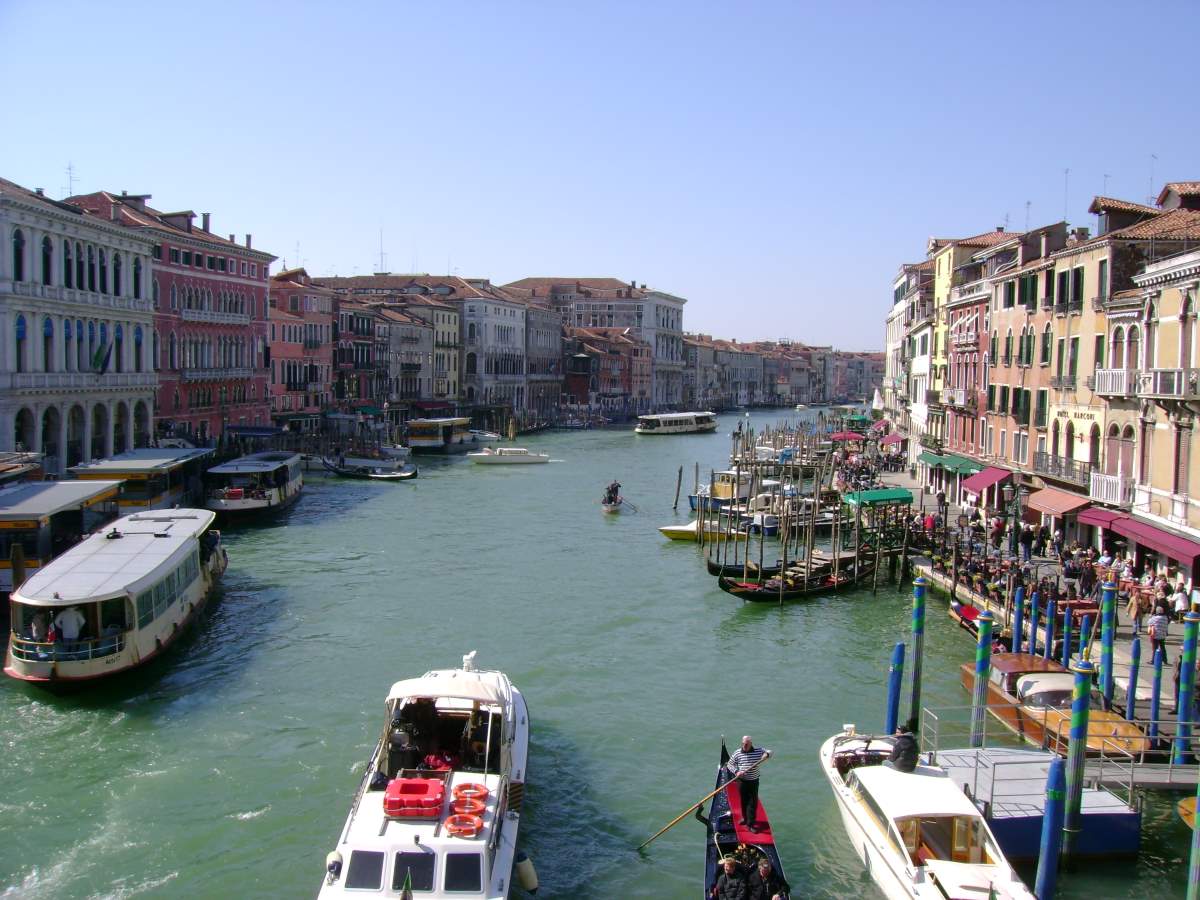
(846, 436)
(892, 438)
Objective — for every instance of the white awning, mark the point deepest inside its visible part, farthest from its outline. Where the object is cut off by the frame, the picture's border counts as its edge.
(455, 684)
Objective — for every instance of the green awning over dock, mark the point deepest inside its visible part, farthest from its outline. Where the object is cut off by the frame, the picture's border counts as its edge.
(881, 497)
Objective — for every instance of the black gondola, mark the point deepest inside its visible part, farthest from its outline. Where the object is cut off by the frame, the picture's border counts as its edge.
(794, 588)
(406, 472)
(724, 838)
(739, 570)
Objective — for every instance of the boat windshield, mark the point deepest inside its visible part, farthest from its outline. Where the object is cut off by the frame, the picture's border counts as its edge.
(647, 423)
(960, 839)
(1048, 699)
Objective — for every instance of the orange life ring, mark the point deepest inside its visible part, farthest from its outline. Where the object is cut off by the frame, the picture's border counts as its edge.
(468, 806)
(463, 825)
(471, 790)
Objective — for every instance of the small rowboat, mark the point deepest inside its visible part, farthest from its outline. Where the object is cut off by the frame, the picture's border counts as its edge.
(724, 837)
(690, 532)
(612, 508)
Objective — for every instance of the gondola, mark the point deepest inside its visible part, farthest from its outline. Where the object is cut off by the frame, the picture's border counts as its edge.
(725, 838)
(769, 591)
(405, 473)
(739, 570)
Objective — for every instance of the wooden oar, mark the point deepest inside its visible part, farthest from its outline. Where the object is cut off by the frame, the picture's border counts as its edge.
(679, 818)
(630, 505)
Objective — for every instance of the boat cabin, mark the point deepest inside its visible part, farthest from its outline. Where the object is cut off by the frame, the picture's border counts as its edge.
(253, 476)
(432, 434)
(151, 477)
(46, 518)
(676, 423)
(1050, 690)
(1008, 668)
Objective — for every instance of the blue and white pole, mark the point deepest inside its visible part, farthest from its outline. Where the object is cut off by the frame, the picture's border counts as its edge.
(1077, 752)
(918, 639)
(1108, 629)
(895, 681)
(983, 671)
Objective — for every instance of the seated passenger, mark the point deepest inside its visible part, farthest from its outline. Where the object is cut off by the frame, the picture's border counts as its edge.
(905, 751)
(440, 760)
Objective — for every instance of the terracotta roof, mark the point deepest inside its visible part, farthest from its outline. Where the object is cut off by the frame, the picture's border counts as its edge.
(25, 194)
(1182, 188)
(1103, 204)
(459, 288)
(599, 287)
(1172, 225)
(988, 238)
(396, 315)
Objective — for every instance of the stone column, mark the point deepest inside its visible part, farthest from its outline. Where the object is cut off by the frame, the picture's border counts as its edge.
(8, 425)
(37, 429)
(64, 412)
(110, 429)
(129, 426)
(87, 433)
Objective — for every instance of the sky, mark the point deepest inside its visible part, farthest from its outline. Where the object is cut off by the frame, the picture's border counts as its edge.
(772, 163)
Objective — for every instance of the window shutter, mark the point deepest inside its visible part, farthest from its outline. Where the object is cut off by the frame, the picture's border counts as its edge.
(1183, 452)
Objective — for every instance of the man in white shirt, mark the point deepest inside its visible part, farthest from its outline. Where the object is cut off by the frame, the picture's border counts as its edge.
(1180, 602)
(69, 622)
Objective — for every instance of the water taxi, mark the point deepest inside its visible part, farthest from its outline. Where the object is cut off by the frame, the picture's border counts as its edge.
(152, 477)
(446, 435)
(729, 486)
(116, 600)
(507, 456)
(917, 833)
(439, 806)
(250, 484)
(677, 423)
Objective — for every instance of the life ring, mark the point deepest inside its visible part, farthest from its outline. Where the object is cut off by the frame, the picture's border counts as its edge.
(463, 825)
(471, 791)
(468, 806)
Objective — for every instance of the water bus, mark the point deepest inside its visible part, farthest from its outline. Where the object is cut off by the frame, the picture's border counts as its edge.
(271, 480)
(677, 423)
(152, 477)
(446, 435)
(439, 806)
(116, 600)
(47, 518)
(917, 833)
(507, 456)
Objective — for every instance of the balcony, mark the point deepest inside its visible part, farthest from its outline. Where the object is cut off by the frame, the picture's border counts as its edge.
(213, 317)
(1100, 304)
(1063, 382)
(964, 340)
(1115, 490)
(954, 397)
(1169, 384)
(86, 298)
(1061, 468)
(921, 314)
(191, 375)
(1074, 306)
(1113, 382)
(312, 344)
(930, 442)
(972, 290)
(75, 381)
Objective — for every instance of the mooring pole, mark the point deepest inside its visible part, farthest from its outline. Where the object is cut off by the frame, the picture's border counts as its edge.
(1155, 698)
(1052, 831)
(918, 639)
(1066, 650)
(1108, 622)
(895, 681)
(1034, 618)
(1076, 753)
(1051, 621)
(1187, 688)
(1135, 660)
(983, 669)
(1193, 884)
(1018, 635)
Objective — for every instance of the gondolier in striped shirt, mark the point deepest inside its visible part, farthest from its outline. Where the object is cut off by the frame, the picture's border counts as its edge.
(747, 762)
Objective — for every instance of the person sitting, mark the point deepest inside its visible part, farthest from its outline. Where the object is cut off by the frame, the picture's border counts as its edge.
(730, 883)
(439, 760)
(37, 628)
(766, 884)
(905, 751)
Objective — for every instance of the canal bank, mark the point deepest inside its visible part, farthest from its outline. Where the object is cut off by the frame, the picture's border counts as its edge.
(228, 769)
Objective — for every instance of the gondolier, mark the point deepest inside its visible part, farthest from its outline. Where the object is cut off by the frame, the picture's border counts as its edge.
(745, 765)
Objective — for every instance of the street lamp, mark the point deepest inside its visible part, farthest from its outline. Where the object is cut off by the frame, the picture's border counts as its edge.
(1012, 508)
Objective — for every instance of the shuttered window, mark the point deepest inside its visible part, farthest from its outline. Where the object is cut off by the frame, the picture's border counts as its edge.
(1183, 454)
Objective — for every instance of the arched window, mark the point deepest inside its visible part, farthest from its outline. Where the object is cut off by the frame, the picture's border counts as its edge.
(1069, 441)
(68, 350)
(172, 349)
(116, 282)
(47, 261)
(174, 297)
(47, 345)
(1047, 344)
(1133, 361)
(1116, 356)
(93, 349)
(155, 362)
(137, 278)
(68, 265)
(1151, 335)
(18, 255)
(1187, 334)
(1094, 447)
(1126, 462)
(1008, 347)
(80, 347)
(103, 271)
(137, 348)
(91, 268)
(79, 265)
(472, 363)
(154, 292)
(20, 348)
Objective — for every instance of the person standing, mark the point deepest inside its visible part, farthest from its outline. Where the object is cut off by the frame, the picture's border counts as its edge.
(745, 765)
(1026, 540)
(1158, 626)
(1180, 602)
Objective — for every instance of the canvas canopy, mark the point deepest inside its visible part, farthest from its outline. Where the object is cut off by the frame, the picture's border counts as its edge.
(456, 685)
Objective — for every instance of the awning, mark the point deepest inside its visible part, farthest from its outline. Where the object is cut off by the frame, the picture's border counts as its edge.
(880, 497)
(1095, 515)
(454, 684)
(960, 465)
(1175, 546)
(1054, 502)
(429, 405)
(981, 481)
(930, 459)
(846, 436)
(893, 438)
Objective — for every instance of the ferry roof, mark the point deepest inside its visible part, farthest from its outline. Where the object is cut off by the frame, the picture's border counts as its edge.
(921, 793)
(37, 499)
(147, 460)
(451, 683)
(102, 567)
(255, 462)
(676, 415)
(452, 420)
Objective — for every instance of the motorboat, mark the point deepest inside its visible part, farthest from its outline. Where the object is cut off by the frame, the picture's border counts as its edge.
(727, 836)
(677, 423)
(691, 532)
(917, 833)
(728, 486)
(374, 473)
(439, 806)
(260, 482)
(507, 456)
(381, 459)
(1032, 697)
(116, 600)
(481, 435)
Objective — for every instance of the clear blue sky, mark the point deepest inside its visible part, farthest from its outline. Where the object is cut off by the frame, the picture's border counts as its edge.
(771, 162)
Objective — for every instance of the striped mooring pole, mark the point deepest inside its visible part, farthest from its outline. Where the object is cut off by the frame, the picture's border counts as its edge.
(1108, 629)
(895, 682)
(1018, 627)
(918, 642)
(1066, 651)
(1052, 831)
(1076, 753)
(1034, 618)
(1051, 621)
(1135, 662)
(1155, 699)
(1187, 690)
(1193, 884)
(983, 669)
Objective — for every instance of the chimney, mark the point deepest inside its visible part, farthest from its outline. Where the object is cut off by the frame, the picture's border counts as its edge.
(205, 218)
(999, 227)
(233, 238)
(38, 191)
(1045, 244)
(114, 211)
(248, 241)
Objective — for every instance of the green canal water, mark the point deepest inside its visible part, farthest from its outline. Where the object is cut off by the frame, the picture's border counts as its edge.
(226, 769)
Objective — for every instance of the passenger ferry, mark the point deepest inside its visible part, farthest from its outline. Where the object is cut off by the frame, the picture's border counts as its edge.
(256, 483)
(448, 435)
(116, 600)
(439, 805)
(918, 834)
(677, 423)
(152, 477)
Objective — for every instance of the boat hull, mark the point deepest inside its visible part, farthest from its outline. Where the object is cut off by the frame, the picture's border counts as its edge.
(610, 508)
(249, 507)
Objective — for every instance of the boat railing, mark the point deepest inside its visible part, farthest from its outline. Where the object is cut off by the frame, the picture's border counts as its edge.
(28, 650)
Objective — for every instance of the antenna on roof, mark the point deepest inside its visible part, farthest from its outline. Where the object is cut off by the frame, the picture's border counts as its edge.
(1006, 221)
(382, 255)
(1151, 196)
(1066, 191)
(70, 179)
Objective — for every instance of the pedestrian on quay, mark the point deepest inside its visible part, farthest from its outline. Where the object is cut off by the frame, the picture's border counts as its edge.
(1180, 602)
(1159, 626)
(1026, 541)
(745, 765)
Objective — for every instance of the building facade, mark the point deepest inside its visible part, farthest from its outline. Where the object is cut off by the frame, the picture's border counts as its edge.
(302, 311)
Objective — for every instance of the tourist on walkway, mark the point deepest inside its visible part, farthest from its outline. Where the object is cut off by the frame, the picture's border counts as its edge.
(1026, 541)
(747, 762)
(1159, 625)
(1180, 602)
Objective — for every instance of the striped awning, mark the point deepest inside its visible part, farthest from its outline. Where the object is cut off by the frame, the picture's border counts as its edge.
(1054, 502)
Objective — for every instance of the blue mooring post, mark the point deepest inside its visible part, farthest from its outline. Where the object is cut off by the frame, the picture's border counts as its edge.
(1193, 885)
(1033, 623)
(983, 671)
(1018, 626)
(1085, 633)
(1108, 629)
(918, 640)
(1066, 653)
(1052, 830)
(1135, 660)
(1155, 699)
(895, 680)
(1076, 753)
(1051, 621)
(1187, 690)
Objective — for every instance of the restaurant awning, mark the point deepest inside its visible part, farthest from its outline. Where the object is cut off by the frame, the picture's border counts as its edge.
(893, 438)
(960, 465)
(846, 436)
(880, 497)
(1176, 546)
(1054, 502)
(1095, 515)
(930, 459)
(981, 481)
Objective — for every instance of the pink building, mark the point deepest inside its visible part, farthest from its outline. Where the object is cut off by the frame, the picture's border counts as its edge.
(210, 304)
(301, 339)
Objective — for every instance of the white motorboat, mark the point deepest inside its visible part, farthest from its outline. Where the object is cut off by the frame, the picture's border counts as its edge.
(507, 456)
(438, 808)
(917, 833)
(250, 484)
(481, 435)
(116, 600)
(677, 423)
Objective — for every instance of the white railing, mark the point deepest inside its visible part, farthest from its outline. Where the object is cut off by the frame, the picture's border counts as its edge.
(64, 381)
(216, 374)
(970, 289)
(954, 397)
(1181, 383)
(1115, 490)
(89, 299)
(1114, 382)
(217, 318)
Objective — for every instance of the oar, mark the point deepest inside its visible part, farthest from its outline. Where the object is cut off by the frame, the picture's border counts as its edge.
(630, 505)
(679, 818)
